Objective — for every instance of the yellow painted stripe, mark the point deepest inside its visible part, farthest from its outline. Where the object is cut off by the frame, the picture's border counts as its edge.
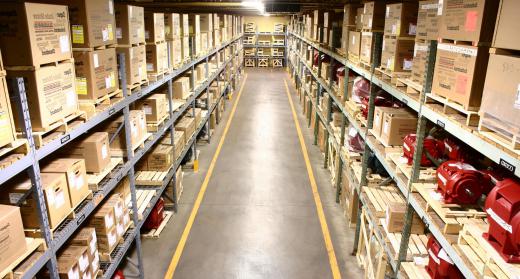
(185, 234)
(336, 274)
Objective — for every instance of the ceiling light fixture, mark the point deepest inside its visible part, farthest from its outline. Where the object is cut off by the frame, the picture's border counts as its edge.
(256, 4)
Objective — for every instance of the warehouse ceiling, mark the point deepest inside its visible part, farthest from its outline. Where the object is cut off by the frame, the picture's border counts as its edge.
(272, 7)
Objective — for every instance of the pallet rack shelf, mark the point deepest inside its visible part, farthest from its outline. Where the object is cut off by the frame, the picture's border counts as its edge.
(30, 162)
(255, 47)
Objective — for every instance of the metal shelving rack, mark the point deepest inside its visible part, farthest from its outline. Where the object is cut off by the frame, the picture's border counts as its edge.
(256, 46)
(30, 162)
(299, 67)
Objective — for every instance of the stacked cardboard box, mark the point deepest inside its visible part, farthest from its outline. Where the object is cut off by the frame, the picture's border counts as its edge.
(371, 20)
(43, 59)
(185, 36)
(195, 35)
(94, 148)
(348, 24)
(216, 30)
(138, 130)
(353, 41)
(86, 237)
(104, 221)
(156, 47)
(460, 69)
(155, 107)
(187, 125)
(13, 238)
(7, 131)
(178, 186)
(73, 262)
(131, 42)
(172, 30)
(206, 29)
(391, 125)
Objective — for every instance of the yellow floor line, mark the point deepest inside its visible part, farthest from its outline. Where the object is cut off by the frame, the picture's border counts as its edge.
(336, 274)
(185, 234)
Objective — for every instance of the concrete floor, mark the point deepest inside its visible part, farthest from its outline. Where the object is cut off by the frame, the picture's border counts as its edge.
(258, 218)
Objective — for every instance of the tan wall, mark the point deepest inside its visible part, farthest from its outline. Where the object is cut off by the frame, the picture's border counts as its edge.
(266, 23)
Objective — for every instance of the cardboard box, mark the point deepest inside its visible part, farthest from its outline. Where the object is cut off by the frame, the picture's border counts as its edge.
(157, 58)
(420, 61)
(161, 158)
(366, 46)
(86, 237)
(374, 16)
(7, 129)
(507, 26)
(154, 27)
(349, 14)
(428, 20)
(130, 25)
(93, 22)
(13, 237)
(395, 219)
(138, 130)
(194, 24)
(116, 202)
(198, 116)
(201, 71)
(34, 34)
(175, 56)
(401, 19)
(206, 23)
(172, 26)
(94, 264)
(103, 221)
(354, 43)
(123, 190)
(135, 58)
(107, 242)
(155, 107)
(468, 20)
(500, 106)
(181, 88)
(68, 265)
(96, 73)
(325, 70)
(186, 52)
(94, 149)
(379, 113)
(75, 172)
(77, 254)
(185, 25)
(397, 54)
(395, 127)
(51, 94)
(187, 125)
(460, 73)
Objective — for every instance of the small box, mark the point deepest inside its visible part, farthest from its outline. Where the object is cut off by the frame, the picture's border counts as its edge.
(374, 16)
(154, 27)
(86, 237)
(194, 24)
(181, 88)
(185, 40)
(107, 242)
(185, 25)
(116, 202)
(34, 34)
(94, 264)
(379, 113)
(69, 262)
(94, 149)
(175, 48)
(354, 43)
(397, 55)
(7, 129)
(138, 130)
(123, 190)
(420, 61)
(187, 125)
(198, 117)
(325, 70)
(428, 20)
(367, 44)
(507, 26)
(157, 58)
(96, 73)
(103, 220)
(395, 214)
(396, 127)
(135, 58)
(206, 22)
(172, 26)
(349, 14)
(13, 237)
(130, 25)
(401, 19)
(161, 158)
(155, 107)
(74, 170)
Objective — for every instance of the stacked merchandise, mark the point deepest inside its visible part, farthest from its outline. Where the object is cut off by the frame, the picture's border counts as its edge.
(250, 27)
(216, 30)
(332, 23)
(185, 37)
(195, 35)
(7, 130)
(349, 24)
(353, 42)
(156, 47)
(172, 30)
(373, 21)
(206, 29)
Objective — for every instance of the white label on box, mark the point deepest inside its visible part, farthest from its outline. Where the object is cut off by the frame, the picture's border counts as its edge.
(60, 199)
(111, 7)
(387, 11)
(458, 49)
(407, 64)
(120, 229)
(384, 43)
(412, 29)
(501, 222)
(83, 262)
(394, 29)
(95, 262)
(369, 23)
(105, 34)
(87, 275)
(149, 67)
(79, 181)
(73, 273)
(429, 6)
(517, 101)
(104, 151)
(146, 34)
(147, 110)
(93, 244)
(386, 126)
(140, 72)
(118, 210)
(119, 33)
(108, 82)
(71, 98)
(95, 58)
(440, 6)
(143, 123)
(64, 43)
(112, 239)
(50, 197)
(133, 129)
(353, 39)
(109, 221)
(15, 197)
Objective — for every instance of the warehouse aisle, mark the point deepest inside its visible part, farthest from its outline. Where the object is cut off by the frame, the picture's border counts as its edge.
(258, 218)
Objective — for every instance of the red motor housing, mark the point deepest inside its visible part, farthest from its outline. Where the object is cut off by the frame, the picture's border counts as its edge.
(379, 101)
(431, 145)
(461, 183)
(503, 211)
(118, 274)
(156, 216)
(440, 265)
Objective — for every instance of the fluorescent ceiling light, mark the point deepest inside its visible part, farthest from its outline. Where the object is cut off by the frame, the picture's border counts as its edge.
(256, 4)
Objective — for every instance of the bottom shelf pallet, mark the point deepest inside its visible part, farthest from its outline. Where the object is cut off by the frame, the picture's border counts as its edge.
(35, 247)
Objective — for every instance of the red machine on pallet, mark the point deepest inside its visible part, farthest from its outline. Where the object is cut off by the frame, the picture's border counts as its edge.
(440, 265)
(156, 216)
(503, 211)
(118, 274)
(432, 148)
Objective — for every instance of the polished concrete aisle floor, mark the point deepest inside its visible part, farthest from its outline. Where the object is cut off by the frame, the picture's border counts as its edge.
(258, 217)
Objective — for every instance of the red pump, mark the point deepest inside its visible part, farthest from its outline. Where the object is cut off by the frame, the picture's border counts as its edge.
(431, 145)
(503, 211)
(156, 216)
(461, 183)
(440, 265)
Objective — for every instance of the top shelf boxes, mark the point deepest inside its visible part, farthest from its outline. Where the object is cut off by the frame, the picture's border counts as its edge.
(130, 25)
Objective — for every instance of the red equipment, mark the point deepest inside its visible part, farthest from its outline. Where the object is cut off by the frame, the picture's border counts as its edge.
(380, 101)
(503, 211)
(118, 274)
(360, 89)
(440, 265)
(461, 183)
(431, 145)
(354, 140)
(156, 216)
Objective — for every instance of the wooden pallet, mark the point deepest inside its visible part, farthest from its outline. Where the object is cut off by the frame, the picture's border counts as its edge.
(375, 264)
(93, 107)
(133, 88)
(466, 115)
(156, 76)
(150, 178)
(479, 254)
(391, 76)
(156, 233)
(154, 126)
(416, 245)
(413, 270)
(354, 59)
(277, 63)
(379, 198)
(143, 201)
(17, 268)
(37, 67)
(425, 174)
(463, 43)
(36, 232)
(94, 48)
(413, 88)
(58, 128)
(500, 133)
(122, 152)
(12, 152)
(95, 179)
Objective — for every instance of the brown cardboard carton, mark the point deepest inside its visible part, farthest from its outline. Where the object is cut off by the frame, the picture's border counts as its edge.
(468, 20)
(155, 107)
(394, 221)
(86, 237)
(428, 20)
(206, 22)
(135, 58)
(157, 58)
(175, 48)
(96, 73)
(94, 149)
(374, 16)
(420, 61)
(507, 26)
(187, 125)
(185, 40)
(198, 117)
(500, 106)
(103, 220)
(123, 190)
(51, 94)
(181, 88)
(154, 27)
(401, 19)
(178, 185)
(325, 70)
(161, 158)
(34, 34)
(459, 74)
(397, 54)
(78, 254)
(138, 130)
(13, 237)
(172, 26)
(366, 46)
(185, 25)
(7, 129)
(74, 170)
(94, 264)
(194, 24)
(379, 113)
(107, 242)
(179, 142)
(68, 267)
(395, 127)
(130, 24)
(354, 43)
(116, 202)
